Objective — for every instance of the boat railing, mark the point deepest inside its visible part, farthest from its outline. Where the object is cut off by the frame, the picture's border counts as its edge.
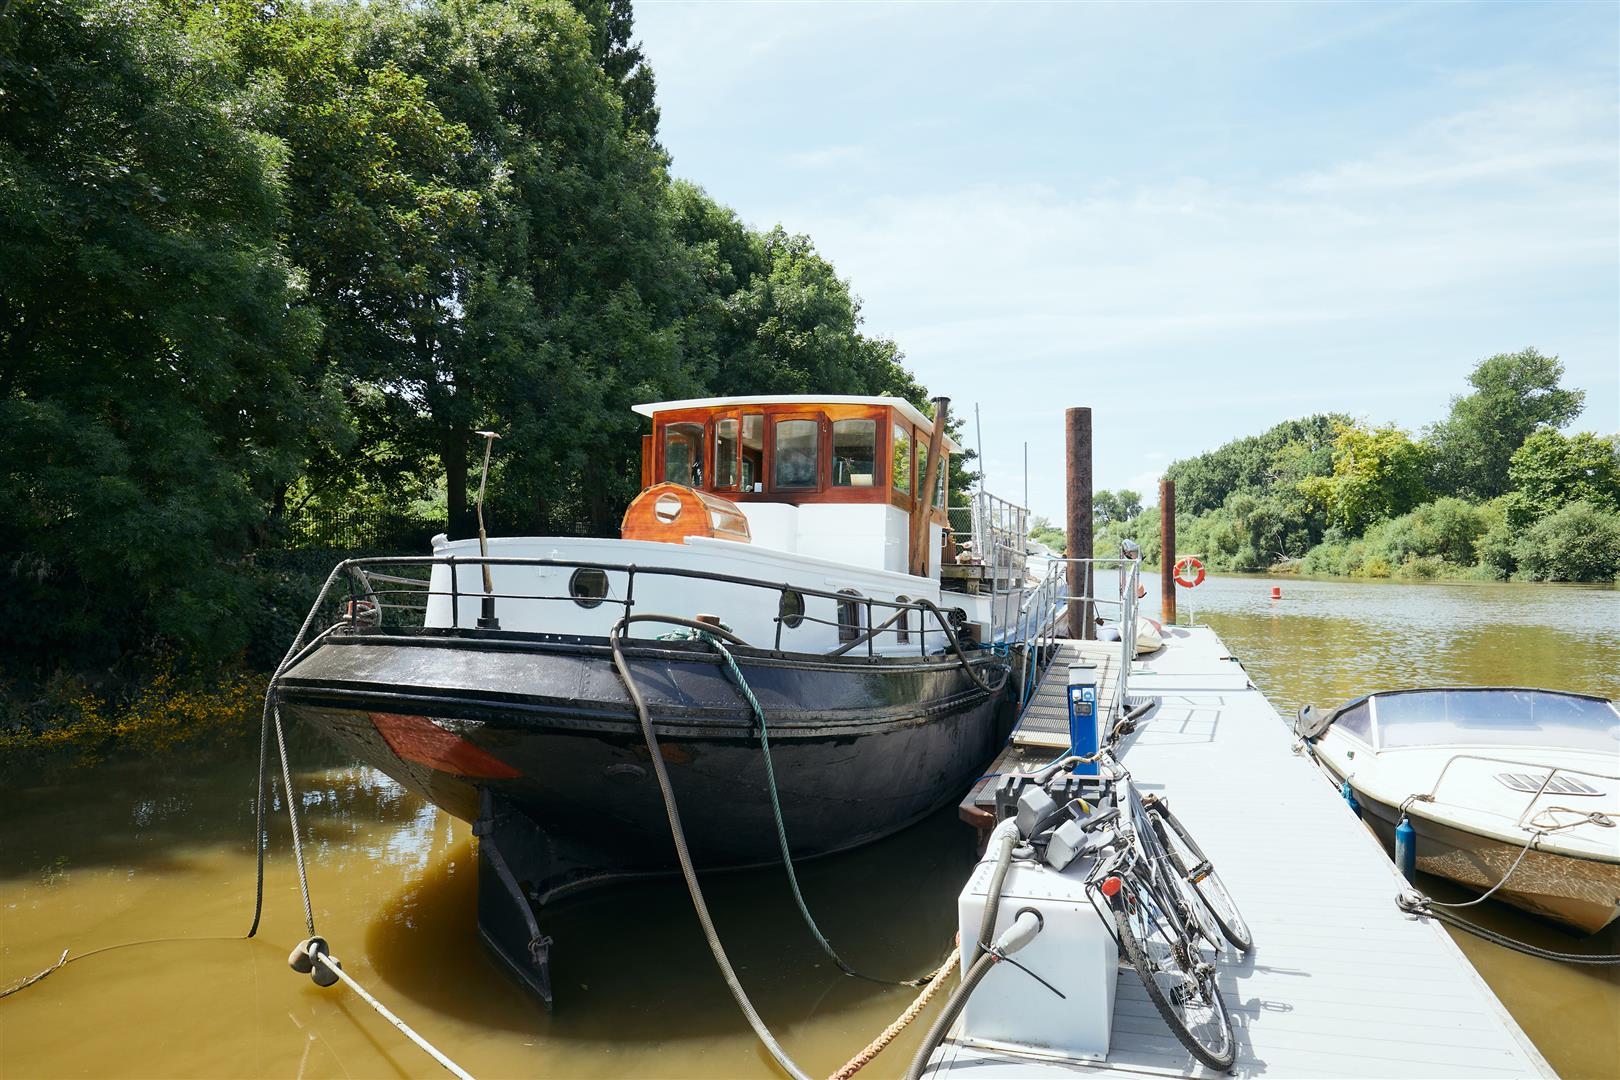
(382, 593)
(1526, 818)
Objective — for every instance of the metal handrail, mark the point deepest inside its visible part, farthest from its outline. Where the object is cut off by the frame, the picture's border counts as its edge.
(359, 572)
(1047, 602)
(1552, 770)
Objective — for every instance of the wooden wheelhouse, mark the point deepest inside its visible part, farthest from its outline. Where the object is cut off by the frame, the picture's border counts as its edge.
(802, 452)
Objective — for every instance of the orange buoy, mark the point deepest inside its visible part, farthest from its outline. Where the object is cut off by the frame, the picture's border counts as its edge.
(1276, 592)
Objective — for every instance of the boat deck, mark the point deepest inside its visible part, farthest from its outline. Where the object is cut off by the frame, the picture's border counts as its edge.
(1340, 981)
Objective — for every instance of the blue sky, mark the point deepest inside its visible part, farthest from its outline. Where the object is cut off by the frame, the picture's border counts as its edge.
(1198, 220)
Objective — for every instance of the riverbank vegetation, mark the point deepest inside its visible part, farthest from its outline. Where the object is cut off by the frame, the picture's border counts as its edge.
(269, 266)
(1493, 491)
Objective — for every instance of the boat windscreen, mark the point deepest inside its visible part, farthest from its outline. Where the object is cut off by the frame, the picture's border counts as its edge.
(1496, 717)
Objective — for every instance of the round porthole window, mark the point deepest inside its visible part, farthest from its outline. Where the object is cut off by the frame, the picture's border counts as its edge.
(791, 609)
(588, 586)
(667, 508)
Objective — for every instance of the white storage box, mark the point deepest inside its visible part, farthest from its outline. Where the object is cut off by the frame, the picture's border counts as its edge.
(1074, 951)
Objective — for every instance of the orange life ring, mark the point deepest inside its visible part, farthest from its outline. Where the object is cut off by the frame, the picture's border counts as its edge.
(1186, 563)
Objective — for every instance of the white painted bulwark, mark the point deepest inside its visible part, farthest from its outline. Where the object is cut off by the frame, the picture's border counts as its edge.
(750, 611)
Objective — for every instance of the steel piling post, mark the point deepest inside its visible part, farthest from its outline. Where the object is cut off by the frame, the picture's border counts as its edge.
(1077, 447)
(1167, 551)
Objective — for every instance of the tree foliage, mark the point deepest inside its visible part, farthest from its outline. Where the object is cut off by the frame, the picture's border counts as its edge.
(1256, 464)
(1514, 394)
(1377, 474)
(1121, 505)
(157, 380)
(1550, 471)
(1578, 542)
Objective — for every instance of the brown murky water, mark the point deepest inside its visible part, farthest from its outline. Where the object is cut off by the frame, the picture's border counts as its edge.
(96, 855)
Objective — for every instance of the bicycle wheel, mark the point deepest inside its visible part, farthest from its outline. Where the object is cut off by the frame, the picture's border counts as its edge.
(1193, 865)
(1179, 982)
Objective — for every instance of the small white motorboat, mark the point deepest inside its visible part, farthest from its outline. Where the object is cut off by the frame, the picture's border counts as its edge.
(1482, 774)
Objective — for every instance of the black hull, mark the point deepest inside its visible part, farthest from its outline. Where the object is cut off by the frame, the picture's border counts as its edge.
(862, 747)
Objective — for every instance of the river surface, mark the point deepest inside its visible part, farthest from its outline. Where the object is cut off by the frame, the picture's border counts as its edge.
(126, 850)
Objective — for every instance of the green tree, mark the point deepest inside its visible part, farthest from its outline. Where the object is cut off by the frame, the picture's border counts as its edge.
(1377, 474)
(156, 385)
(1121, 505)
(1549, 471)
(1253, 463)
(622, 61)
(1514, 394)
(386, 215)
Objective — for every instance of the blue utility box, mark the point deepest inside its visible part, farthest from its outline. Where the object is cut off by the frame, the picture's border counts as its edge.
(1085, 730)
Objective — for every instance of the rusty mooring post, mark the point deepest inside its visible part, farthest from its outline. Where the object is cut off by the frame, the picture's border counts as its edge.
(1167, 551)
(1077, 443)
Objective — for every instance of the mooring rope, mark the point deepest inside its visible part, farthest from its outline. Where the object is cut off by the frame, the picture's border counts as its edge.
(935, 982)
(331, 964)
(1421, 904)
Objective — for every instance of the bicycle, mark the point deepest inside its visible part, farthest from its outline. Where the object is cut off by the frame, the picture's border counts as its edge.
(1169, 909)
(1165, 932)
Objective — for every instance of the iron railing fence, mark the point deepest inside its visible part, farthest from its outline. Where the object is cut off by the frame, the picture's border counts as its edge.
(993, 532)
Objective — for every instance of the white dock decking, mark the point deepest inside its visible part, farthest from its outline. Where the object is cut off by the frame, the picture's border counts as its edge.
(1340, 982)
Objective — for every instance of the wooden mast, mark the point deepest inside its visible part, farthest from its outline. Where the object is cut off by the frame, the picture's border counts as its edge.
(922, 507)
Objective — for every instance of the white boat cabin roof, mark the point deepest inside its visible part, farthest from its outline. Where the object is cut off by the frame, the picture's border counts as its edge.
(900, 405)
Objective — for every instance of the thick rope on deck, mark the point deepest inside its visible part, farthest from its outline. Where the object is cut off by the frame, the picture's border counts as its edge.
(901, 1022)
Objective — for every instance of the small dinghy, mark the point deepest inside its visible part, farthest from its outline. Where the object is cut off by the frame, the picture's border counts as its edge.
(1483, 774)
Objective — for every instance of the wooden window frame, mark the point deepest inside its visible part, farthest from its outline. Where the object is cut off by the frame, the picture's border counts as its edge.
(886, 417)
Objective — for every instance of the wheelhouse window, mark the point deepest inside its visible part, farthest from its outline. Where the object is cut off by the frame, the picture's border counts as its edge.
(939, 481)
(795, 454)
(725, 454)
(753, 451)
(854, 461)
(683, 454)
(900, 450)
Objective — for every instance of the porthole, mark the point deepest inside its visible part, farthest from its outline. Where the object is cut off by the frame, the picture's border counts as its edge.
(849, 616)
(667, 508)
(791, 609)
(588, 586)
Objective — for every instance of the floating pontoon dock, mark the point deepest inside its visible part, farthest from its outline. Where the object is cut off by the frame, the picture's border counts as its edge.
(1340, 981)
